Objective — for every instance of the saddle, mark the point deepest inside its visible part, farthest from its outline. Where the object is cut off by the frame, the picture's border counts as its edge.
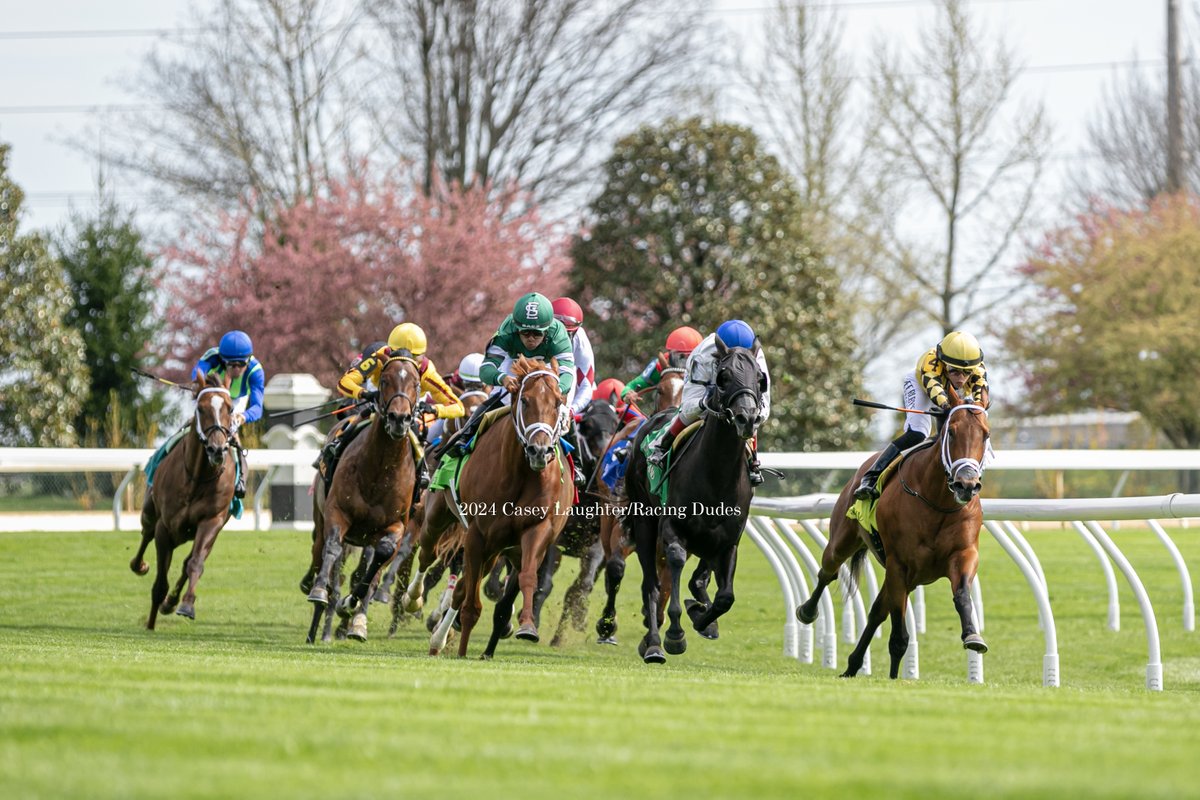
(863, 511)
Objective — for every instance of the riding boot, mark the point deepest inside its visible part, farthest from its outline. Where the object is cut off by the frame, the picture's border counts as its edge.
(422, 481)
(658, 453)
(571, 437)
(866, 488)
(755, 469)
(462, 439)
(239, 485)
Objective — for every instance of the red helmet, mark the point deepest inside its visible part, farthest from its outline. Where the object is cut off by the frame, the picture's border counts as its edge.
(568, 312)
(684, 340)
(609, 389)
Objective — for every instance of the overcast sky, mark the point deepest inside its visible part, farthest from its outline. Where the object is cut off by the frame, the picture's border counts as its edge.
(59, 59)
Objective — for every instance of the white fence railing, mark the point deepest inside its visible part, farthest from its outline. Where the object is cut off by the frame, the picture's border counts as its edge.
(775, 524)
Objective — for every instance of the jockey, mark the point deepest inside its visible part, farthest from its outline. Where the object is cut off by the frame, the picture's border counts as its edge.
(409, 340)
(531, 331)
(957, 359)
(681, 341)
(700, 378)
(609, 390)
(234, 358)
(568, 312)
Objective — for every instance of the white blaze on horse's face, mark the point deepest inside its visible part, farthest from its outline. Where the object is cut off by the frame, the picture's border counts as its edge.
(214, 450)
(964, 474)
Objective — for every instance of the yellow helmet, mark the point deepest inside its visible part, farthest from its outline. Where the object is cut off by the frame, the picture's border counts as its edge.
(407, 336)
(960, 350)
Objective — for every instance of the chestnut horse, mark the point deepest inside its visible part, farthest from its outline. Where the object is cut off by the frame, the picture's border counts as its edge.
(370, 497)
(518, 491)
(613, 540)
(710, 486)
(928, 518)
(190, 499)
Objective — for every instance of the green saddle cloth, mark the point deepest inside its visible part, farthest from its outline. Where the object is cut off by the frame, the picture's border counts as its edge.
(655, 475)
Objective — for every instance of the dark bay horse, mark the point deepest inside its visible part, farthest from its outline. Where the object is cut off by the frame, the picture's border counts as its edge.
(614, 541)
(189, 499)
(518, 492)
(710, 486)
(369, 498)
(928, 517)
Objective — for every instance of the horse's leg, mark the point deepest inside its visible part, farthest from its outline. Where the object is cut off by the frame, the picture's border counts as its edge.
(336, 578)
(614, 573)
(359, 582)
(168, 606)
(493, 588)
(646, 536)
(576, 597)
(843, 543)
(149, 523)
(961, 572)
(502, 617)
(206, 537)
(704, 618)
(385, 550)
(318, 548)
(328, 547)
(536, 544)
(545, 582)
(158, 592)
(699, 600)
(676, 557)
(466, 594)
(875, 617)
(898, 641)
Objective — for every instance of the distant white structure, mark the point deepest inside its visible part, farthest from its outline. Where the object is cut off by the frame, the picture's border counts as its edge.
(1108, 430)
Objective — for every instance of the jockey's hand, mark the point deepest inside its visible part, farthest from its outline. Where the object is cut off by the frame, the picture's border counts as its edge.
(239, 419)
(369, 396)
(424, 407)
(578, 416)
(510, 383)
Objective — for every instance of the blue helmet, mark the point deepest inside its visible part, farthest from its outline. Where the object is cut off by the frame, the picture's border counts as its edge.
(736, 333)
(235, 346)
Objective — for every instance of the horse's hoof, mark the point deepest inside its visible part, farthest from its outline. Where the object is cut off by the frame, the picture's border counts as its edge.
(485, 656)
(139, 567)
(381, 596)
(168, 606)
(358, 628)
(527, 633)
(412, 605)
(975, 642)
(345, 606)
(808, 618)
(306, 583)
(318, 595)
(694, 609)
(431, 623)
(654, 655)
(186, 610)
(676, 646)
(434, 651)
(606, 629)
(607, 640)
(711, 632)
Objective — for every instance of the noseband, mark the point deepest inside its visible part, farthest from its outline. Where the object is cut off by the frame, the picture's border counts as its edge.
(953, 467)
(725, 410)
(412, 403)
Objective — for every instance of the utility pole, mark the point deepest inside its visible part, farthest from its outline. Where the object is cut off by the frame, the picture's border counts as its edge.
(1174, 115)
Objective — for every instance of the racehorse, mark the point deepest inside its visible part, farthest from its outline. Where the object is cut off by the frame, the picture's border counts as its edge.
(190, 499)
(518, 491)
(613, 540)
(710, 485)
(369, 498)
(928, 519)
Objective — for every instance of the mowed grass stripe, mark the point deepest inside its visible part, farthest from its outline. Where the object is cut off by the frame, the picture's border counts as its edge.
(235, 704)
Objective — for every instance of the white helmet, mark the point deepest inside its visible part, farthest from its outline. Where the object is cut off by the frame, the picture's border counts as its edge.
(468, 368)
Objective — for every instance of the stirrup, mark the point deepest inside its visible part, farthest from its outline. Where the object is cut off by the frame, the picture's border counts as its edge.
(866, 489)
(756, 476)
(657, 456)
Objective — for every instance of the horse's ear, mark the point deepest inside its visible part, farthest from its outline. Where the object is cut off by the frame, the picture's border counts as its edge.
(198, 383)
(955, 399)
(721, 348)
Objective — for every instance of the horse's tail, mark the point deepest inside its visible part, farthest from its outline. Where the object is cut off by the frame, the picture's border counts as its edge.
(856, 562)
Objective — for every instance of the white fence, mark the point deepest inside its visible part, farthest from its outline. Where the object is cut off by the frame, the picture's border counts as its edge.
(776, 526)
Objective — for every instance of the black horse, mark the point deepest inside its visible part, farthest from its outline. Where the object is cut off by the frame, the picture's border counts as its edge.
(709, 492)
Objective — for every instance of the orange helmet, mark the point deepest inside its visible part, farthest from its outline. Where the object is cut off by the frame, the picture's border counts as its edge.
(684, 340)
(568, 312)
(609, 389)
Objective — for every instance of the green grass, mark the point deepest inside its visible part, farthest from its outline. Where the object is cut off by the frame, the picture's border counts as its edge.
(234, 704)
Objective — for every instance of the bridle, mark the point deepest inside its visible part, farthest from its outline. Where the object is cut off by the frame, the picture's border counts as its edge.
(205, 432)
(525, 431)
(383, 407)
(950, 466)
(724, 410)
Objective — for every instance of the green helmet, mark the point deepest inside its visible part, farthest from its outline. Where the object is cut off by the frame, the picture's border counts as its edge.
(533, 312)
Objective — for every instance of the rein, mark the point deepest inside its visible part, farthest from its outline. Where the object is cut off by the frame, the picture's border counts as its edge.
(202, 432)
(524, 432)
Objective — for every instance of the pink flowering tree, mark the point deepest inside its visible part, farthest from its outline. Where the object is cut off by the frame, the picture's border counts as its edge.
(324, 279)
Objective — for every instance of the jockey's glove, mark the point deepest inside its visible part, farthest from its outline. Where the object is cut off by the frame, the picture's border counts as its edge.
(369, 396)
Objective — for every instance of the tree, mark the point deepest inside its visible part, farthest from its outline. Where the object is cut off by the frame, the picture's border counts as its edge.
(802, 82)
(253, 107)
(491, 91)
(338, 272)
(111, 280)
(959, 155)
(695, 225)
(43, 375)
(1116, 323)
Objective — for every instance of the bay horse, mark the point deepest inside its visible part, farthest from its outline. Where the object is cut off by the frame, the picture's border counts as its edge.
(710, 487)
(190, 499)
(928, 519)
(369, 498)
(519, 491)
(614, 541)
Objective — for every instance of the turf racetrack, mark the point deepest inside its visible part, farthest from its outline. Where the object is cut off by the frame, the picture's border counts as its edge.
(235, 704)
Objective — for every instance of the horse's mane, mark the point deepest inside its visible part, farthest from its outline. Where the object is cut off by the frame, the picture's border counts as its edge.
(524, 365)
(212, 379)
